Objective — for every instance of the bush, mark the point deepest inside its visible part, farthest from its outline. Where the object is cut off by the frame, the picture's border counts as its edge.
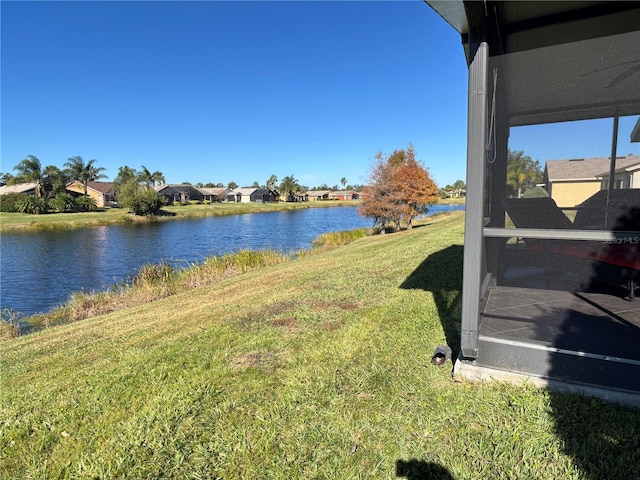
(8, 202)
(63, 202)
(86, 204)
(147, 202)
(31, 204)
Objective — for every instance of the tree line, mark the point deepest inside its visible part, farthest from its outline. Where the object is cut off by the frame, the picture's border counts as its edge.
(50, 185)
(134, 189)
(398, 189)
(50, 189)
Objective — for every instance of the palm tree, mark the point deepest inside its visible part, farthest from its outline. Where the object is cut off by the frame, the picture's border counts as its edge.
(343, 181)
(30, 170)
(84, 172)
(150, 179)
(272, 182)
(144, 176)
(289, 187)
(125, 175)
(522, 172)
(157, 178)
(5, 178)
(54, 180)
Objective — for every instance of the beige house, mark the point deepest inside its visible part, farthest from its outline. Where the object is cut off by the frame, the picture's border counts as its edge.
(28, 188)
(240, 195)
(318, 195)
(101, 192)
(571, 182)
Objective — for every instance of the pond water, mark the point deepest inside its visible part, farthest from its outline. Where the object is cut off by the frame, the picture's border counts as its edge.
(40, 270)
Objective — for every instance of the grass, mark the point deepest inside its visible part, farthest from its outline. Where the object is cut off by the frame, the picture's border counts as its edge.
(312, 368)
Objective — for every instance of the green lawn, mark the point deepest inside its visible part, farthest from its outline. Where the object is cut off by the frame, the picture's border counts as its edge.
(313, 368)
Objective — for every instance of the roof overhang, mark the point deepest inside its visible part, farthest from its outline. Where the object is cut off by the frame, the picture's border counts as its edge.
(559, 59)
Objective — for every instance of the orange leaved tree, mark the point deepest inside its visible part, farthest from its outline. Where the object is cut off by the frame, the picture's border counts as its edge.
(398, 190)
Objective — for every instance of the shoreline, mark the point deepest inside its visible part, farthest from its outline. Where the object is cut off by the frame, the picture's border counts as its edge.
(13, 222)
(21, 222)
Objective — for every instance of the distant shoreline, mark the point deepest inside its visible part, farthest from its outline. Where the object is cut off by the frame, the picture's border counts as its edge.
(21, 222)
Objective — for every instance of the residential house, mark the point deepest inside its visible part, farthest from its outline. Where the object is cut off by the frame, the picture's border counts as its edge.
(626, 173)
(295, 197)
(264, 195)
(302, 197)
(344, 195)
(28, 188)
(240, 195)
(571, 182)
(215, 194)
(180, 193)
(318, 195)
(101, 192)
(456, 193)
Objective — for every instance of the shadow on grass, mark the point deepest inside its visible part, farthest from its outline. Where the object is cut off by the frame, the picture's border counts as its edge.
(441, 274)
(420, 470)
(601, 438)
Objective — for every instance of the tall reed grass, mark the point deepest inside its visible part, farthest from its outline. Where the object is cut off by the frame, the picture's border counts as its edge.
(153, 282)
(334, 239)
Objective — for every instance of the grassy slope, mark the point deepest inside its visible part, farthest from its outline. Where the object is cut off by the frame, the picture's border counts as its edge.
(317, 368)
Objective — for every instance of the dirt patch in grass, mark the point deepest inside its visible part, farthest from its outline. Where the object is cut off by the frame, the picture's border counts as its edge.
(289, 325)
(347, 304)
(266, 314)
(263, 360)
(330, 325)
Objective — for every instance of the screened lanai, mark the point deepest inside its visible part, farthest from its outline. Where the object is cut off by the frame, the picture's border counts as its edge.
(551, 267)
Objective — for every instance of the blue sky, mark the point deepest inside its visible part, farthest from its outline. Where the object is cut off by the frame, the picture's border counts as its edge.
(232, 91)
(214, 91)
